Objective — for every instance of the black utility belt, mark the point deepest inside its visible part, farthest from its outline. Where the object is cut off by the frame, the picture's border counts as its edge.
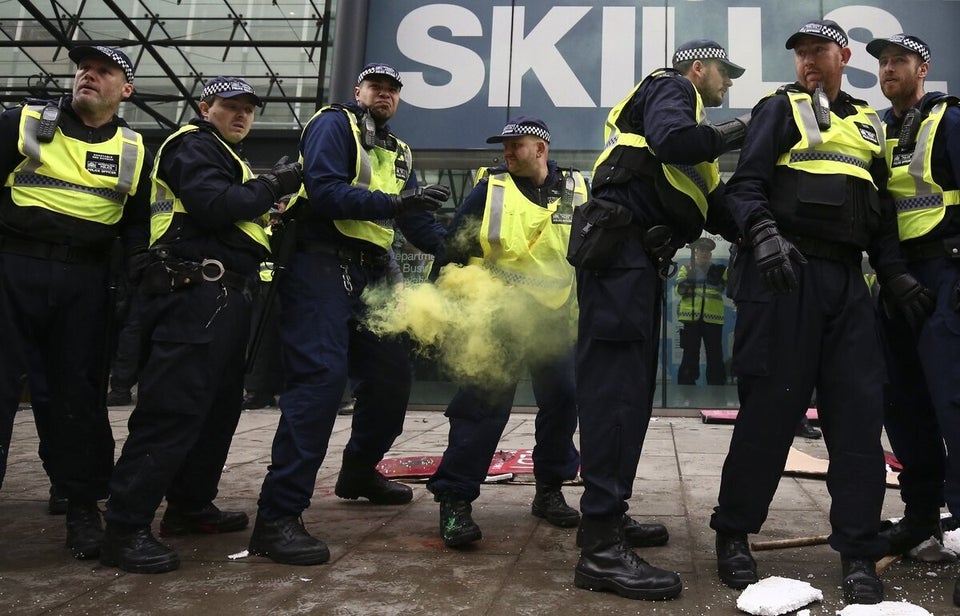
(349, 254)
(51, 252)
(832, 251)
(168, 275)
(948, 248)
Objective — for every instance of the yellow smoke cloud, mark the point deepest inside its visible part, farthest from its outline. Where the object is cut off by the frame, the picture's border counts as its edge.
(478, 328)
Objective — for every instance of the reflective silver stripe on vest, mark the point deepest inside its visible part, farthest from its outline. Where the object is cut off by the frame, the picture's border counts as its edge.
(497, 194)
(41, 181)
(691, 172)
(878, 128)
(916, 163)
(31, 146)
(810, 127)
(920, 202)
(129, 154)
(365, 174)
(527, 281)
(834, 157)
(128, 160)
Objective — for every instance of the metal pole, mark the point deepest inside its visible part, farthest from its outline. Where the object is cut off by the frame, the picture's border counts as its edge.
(349, 47)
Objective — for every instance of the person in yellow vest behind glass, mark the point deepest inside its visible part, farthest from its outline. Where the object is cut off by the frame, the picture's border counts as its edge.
(75, 176)
(700, 285)
(923, 360)
(207, 239)
(518, 224)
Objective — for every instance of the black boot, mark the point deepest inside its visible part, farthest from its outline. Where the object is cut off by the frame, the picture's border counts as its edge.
(136, 551)
(209, 520)
(637, 535)
(358, 478)
(735, 564)
(911, 531)
(457, 527)
(806, 429)
(606, 564)
(119, 397)
(956, 592)
(57, 505)
(286, 541)
(860, 581)
(84, 530)
(549, 504)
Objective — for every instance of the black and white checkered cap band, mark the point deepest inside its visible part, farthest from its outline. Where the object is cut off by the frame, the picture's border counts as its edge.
(120, 60)
(825, 31)
(517, 130)
(699, 53)
(379, 69)
(912, 44)
(222, 86)
(116, 56)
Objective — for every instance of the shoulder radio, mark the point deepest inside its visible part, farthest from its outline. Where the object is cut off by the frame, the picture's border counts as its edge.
(49, 120)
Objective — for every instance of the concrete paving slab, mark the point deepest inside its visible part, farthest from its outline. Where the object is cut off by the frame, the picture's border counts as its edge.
(391, 560)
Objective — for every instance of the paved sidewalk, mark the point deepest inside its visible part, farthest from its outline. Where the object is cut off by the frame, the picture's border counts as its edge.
(390, 560)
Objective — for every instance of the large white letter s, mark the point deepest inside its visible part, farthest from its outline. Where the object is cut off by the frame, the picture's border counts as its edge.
(466, 68)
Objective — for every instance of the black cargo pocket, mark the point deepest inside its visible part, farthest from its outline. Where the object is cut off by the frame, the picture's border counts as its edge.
(598, 231)
(183, 316)
(820, 197)
(618, 304)
(753, 339)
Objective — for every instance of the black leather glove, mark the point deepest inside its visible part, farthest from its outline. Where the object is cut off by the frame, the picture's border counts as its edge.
(427, 198)
(910, 299)
(137, 263)
(685, 288)
(733, 131)
(772, 254)
(284, 178)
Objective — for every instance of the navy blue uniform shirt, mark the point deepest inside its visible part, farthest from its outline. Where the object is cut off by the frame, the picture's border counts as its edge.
(329, 160)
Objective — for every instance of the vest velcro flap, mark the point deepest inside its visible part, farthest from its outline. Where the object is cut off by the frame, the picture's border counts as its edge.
(598, 230)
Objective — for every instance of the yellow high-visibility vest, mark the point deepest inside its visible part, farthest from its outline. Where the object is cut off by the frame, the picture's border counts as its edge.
(164, 204)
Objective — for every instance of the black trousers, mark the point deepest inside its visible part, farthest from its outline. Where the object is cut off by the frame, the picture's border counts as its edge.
(616, 367)
(923, 397)
(53, 327)
(479, 416)
(188, 407)
(126, 359)
(822, 334)
(266, 372)
(692, 333)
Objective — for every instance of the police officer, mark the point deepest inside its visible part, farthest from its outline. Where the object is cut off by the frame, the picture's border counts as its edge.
(700, 285)
(660, 167)
(809, 196)
(207, 239)
(75, 176)
(923, 359)
(358, 181)
(522, 211)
